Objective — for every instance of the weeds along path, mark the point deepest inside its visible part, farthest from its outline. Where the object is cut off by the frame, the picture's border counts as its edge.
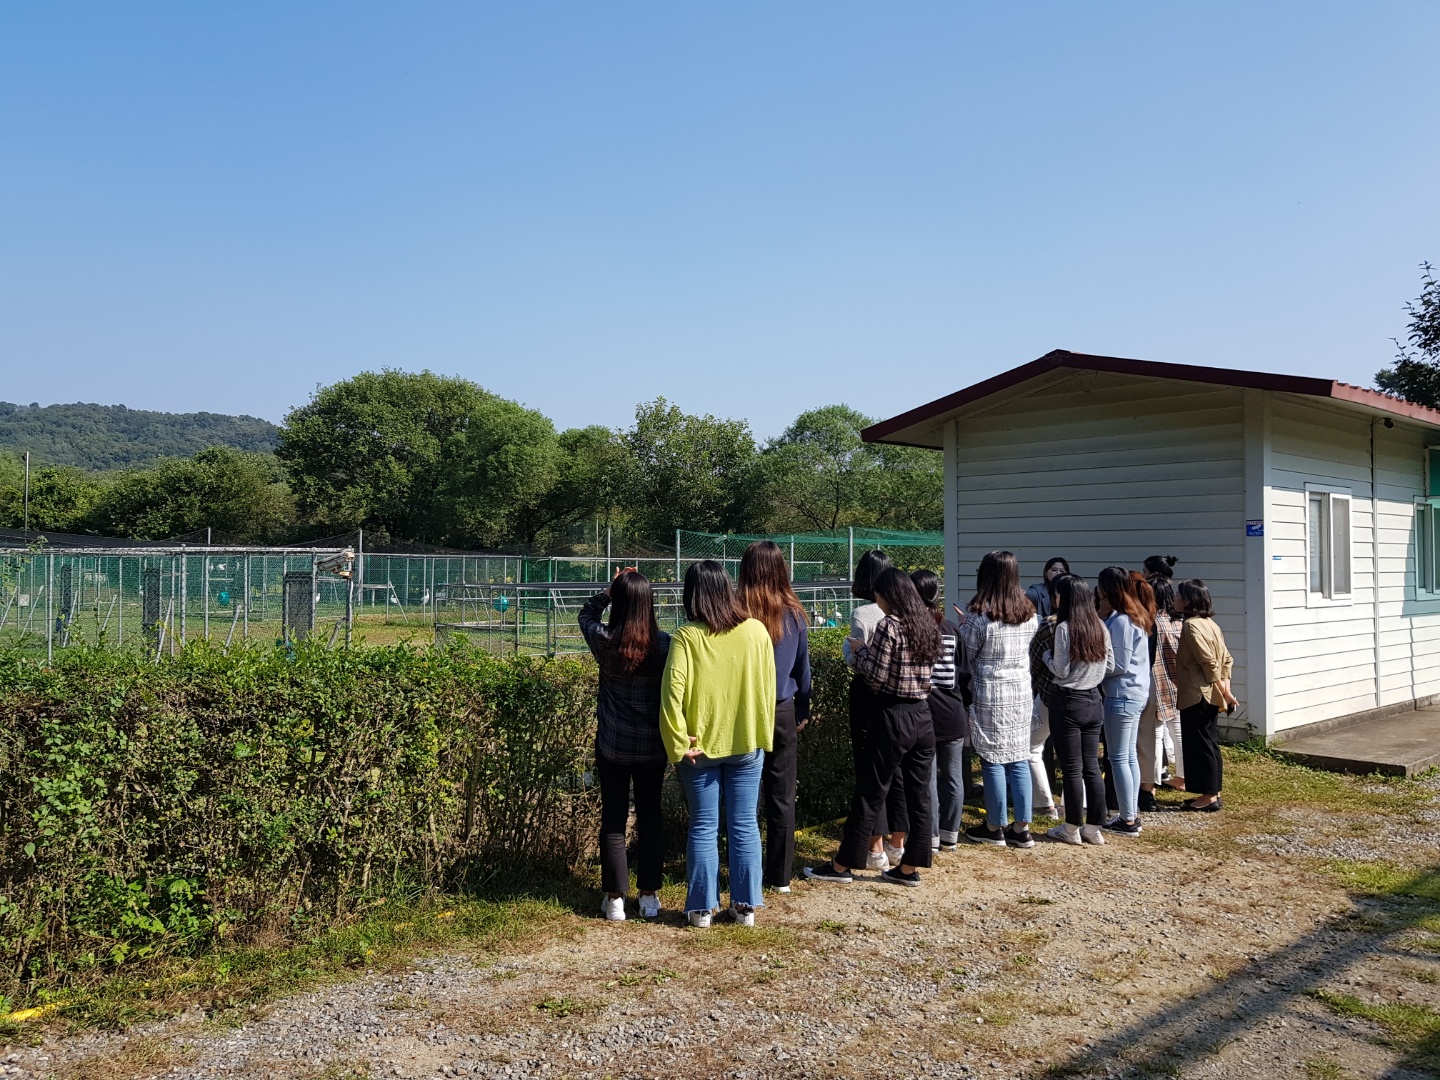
(1298, 934)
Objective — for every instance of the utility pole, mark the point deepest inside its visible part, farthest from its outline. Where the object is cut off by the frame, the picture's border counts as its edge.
(27, 490)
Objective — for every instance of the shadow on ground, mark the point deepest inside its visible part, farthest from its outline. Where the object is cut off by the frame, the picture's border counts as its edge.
(1200, 1026)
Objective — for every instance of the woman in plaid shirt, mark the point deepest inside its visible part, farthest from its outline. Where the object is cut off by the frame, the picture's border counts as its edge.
(900, 739)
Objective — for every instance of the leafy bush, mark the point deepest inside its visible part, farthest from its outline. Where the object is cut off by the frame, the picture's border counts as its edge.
(156, 808)
(160, 806)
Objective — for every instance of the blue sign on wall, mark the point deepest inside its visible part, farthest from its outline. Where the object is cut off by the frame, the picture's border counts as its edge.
(1254, 528)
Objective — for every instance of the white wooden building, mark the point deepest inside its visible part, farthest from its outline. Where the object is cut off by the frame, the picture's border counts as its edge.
(1311, 509)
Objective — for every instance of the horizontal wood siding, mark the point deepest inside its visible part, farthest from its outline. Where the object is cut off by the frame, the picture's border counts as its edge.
(1329, 661)
(1103, 470)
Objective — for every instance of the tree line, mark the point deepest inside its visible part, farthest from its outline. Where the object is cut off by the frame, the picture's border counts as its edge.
(430, 459)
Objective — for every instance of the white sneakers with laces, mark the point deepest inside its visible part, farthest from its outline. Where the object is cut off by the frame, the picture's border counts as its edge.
(699, 919)
(1091, 834)
(1065, 833)
(649, 906)
(613, 908)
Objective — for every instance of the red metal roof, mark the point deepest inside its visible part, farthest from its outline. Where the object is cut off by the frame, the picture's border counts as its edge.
(1152, 369)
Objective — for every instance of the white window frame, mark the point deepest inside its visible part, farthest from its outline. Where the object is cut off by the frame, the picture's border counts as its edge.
(1333, 502)
(1427, 548)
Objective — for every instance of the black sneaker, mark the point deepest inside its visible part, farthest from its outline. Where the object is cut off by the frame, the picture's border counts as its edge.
(826, 871)
(1147, 802)
(1209, 808)
(1020, 838)
(1122, 827)
(982, 834)
(897, 877)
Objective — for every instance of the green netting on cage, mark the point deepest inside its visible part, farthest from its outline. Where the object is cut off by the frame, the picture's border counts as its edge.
(819, 556)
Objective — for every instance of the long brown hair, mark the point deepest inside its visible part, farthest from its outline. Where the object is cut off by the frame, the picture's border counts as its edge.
(1077, 611)
(764, 589)
(997, 590)
(709, 598)
(906, 607)
(633, 629)
(1117, 587)
(1140, 585)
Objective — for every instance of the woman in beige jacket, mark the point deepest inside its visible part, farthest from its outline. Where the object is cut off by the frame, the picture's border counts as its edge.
(1202, 685)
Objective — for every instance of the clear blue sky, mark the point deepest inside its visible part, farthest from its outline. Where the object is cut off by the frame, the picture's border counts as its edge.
(751, 209)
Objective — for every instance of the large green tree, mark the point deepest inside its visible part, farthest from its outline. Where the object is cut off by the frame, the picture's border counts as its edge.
(240, 495)
(61, 498)
(691, 472)
(820, 474)
(418, 456)
(1415, 372)
(589, 483)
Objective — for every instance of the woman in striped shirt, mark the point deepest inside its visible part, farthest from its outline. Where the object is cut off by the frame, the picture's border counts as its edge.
(949, 717)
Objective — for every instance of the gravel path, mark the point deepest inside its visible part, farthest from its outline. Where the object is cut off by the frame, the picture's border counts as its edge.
(1138, 959)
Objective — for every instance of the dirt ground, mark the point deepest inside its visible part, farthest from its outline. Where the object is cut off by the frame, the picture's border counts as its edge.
(1266, 941)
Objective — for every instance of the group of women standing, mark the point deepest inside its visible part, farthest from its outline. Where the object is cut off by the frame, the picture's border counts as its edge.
(722, 699)
(1019, 678)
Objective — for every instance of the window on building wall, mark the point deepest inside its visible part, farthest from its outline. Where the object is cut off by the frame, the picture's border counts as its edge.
(1427, 548)
(1328, 544)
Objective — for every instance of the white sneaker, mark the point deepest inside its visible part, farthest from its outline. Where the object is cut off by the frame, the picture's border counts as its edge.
(893, 855)
(951, 838)
(613, 908)
(649, 906)
(1091, 834)
(699, 919)
(782, 889)
(934, 844)
(1066, 834)
(743, 914)
(876, 860)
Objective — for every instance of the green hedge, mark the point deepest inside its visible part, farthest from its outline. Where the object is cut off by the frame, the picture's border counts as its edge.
(148, 807)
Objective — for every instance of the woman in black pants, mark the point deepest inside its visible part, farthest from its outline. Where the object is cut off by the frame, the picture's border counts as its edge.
(1202, 685)
(631, 652)
(898, 664)
(1080, 658)
(765, 594)
(863, 621)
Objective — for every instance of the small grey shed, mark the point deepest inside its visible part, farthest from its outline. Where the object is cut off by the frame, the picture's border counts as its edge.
(1310, 507)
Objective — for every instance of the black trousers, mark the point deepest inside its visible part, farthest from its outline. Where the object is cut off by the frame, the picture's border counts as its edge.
(777, 798)
(900, 739)
(862, 708)
(1076, 718)
(615, 780)
(1200, 739)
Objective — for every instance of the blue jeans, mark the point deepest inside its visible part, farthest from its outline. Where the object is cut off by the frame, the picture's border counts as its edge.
(704, 781)
(947, 787)
(1014, 775)
(1122, 728)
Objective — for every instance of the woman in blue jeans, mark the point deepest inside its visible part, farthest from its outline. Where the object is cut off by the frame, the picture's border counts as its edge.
(995, 638)
(717, 719)
(1126, 691)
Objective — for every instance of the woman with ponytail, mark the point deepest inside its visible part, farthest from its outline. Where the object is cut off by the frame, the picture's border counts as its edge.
(631, 651)
(1126, 691)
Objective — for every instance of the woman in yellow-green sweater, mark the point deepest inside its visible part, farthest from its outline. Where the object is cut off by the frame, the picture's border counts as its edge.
(717, 719)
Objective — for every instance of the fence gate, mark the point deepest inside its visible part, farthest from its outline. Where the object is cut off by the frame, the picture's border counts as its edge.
(299, 601)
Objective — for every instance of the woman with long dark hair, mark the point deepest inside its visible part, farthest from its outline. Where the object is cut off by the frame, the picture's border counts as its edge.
(1202, 684)
(897, 664)
(630, 651)
(767, 596)
(995, 651)
(949, 717)
(1126, 691)
(717, 717)
(863, 621)
(1079, 659)
(1160, 722)
(1039, 593)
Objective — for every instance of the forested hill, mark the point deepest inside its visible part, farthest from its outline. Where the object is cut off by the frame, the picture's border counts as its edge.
(115, 437)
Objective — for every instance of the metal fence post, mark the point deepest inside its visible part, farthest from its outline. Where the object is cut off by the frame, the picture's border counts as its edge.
(852, 552)
(50, 609)
(184, 598)
(677, 554)
(247, 598)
